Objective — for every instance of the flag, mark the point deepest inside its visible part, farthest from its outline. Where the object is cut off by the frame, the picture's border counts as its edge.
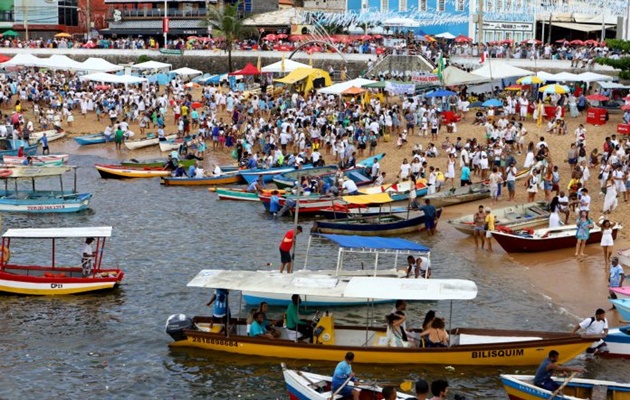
(259, 64)
(282, 64)
(484, 55)
(440, 68)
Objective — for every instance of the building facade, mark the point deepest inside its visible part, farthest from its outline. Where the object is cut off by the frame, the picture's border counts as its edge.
(503, 20)
(45, 18)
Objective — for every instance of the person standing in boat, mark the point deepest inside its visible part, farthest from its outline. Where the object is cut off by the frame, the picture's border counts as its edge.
(543, 378)
(87, 257)
(294, 322)
(286, 246)
(220, 310)
(341, 377)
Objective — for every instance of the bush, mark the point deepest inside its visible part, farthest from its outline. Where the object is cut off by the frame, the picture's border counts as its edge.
(143, 58)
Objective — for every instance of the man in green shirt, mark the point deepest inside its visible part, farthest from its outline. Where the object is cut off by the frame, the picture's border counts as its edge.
(119, 137)
(295, 323)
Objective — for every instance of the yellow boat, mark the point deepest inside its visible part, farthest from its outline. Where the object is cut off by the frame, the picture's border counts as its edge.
(483, 347)
(521, 387)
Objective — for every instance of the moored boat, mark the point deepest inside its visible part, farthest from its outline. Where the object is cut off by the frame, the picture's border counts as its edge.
(287, 179)
(398, 191)
(154, 162)
(95, 138)
(521, 387)
(52, 279)
(308, 205)
(479, 347)
(341, 211)
(303, 385)
(225, 179)
(11, 147)
(379, 225)
(545, 239)
(618, 342)
(464, 194)
(240, 194)
(520, 216)
(109, 171)
(621, 292)
(251, 175)
(174, 144)
(38, 161)
(624, 257)
(149, 140)
(51, 135)
(623, 308)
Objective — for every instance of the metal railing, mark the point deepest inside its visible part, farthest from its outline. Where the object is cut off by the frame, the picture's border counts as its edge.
(153, 13)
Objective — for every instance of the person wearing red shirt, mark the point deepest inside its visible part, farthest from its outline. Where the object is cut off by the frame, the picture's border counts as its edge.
(285, 250)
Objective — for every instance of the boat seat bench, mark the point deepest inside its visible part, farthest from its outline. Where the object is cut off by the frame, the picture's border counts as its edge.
(600, 392)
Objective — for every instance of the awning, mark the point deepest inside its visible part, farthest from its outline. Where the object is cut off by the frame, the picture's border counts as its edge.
(612, 85)
(54, 233)
(580, 27)
(296, 75)
(377, 243)
(378, 198)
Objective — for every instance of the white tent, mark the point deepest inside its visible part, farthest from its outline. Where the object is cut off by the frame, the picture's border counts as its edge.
(340, 87)
(566, 77)
(289, 66)
(59, 61)
(24, 60)
(99, 65)
(186, 72)
(593, 77)
(455, 76)
(545, 76)
(499, 70)
(110, 78)
(445, 35)
(151, 65)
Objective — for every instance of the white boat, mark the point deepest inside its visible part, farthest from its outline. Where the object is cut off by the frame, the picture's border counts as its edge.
(308, 386)
(624, 257)
(173, 144)
(520, 216)
(349, 246)
(38, 161)
(618, 342)
(51, 135)
(150, 140)
(522, 387)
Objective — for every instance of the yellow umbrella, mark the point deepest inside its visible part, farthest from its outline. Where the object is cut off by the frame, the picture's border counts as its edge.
(63, 35)
(529, 80)
(558, 89)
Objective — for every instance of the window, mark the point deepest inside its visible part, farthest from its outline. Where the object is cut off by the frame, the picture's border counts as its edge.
(440, 5)
(402, 5)
(459, 5)
(384, 5)
(422, 5)
(498, 6)
(489, 5)
(67, 13)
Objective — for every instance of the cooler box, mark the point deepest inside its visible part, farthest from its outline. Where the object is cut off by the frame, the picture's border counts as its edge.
(596, 116)
(623, 129)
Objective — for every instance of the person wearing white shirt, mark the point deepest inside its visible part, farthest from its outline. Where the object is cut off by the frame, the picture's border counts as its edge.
(350, 187)
(595, 326)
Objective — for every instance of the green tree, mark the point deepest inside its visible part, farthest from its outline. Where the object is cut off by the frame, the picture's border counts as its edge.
(226, 20)
(623, 63)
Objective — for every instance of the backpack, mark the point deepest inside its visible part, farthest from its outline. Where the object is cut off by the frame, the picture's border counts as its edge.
(591, 323)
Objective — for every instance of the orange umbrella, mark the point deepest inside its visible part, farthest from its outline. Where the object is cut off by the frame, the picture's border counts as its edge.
(63, 35)
(353, 90)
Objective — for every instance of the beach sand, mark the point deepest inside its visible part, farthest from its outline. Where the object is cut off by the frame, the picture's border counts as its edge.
(577, 285)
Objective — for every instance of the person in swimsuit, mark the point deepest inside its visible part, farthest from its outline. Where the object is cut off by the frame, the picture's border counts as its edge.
(479, 219)
(436, 335)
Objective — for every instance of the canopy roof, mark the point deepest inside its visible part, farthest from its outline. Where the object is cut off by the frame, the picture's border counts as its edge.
(185, 71)
(545, 76)
(55, 233)
(151, 65)
(60, 61)
(593, 77)
(445, 35)
(289, 66)
(566, 77)
(376, 243)
(493, 69)
(249, 69)
(454, 76)
(377, 198)
(612, 85)
(110, 78)
(298, 74)
(329, 286)
(340, 87)
(99, 65)
(23, 60)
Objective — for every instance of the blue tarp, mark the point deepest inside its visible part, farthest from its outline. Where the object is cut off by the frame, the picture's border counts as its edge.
(440, 93)
(377, 243)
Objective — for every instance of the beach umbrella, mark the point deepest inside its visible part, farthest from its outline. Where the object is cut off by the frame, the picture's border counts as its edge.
(576, 42)
(476, 104)
(282, 36)
(591, 42)
(270, 37)
(561, 40)
(440, 93)
(529, 80)
(558, 89)
(10, 33)
(597, 97)
(296, 38)
(365, 37)
(492, 103)
(377, 37)
(626, 107)
(63, 35)
(462, 39)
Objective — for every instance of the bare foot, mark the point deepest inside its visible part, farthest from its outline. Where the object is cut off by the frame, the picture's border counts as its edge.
(582, 255)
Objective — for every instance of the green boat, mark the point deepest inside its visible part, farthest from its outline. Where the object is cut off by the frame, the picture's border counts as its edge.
(172, 52)
(241, 194)
(153, 162)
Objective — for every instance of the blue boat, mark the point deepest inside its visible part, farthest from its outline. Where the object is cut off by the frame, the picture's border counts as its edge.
(251, 175)
(287, 179)
(11, 147)
(618, 341)
(623, 307)
(95, 138)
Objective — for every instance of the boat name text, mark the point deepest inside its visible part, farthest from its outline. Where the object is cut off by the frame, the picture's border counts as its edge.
(52, 207)
(220, 342)
(498, 353)
(56, 285)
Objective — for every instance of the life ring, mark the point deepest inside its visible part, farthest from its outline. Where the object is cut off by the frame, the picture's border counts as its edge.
(6, 254)
(4, 173)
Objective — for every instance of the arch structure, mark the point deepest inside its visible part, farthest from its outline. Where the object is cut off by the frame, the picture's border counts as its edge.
(320, 42)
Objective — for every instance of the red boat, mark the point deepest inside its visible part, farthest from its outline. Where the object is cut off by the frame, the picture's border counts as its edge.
(545, 239)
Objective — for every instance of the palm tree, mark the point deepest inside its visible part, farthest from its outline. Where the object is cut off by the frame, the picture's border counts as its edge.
(226, 20)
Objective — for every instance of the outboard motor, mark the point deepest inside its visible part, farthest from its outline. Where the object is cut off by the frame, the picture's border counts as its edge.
(176, 324)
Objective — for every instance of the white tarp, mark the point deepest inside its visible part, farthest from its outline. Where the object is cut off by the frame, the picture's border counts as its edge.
(612, 85)
(493, 69)
(545, 76)
(455, 76)
(24, 60)
(567, 77)
(340, 87)
(151, 65)
(445, 35)
(110, 78)
(99, 65)
(61, 62)
(593, 77)
(186, 72)
(400, 22)
(289, 66)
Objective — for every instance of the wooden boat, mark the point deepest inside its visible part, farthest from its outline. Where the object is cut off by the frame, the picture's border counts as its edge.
(521, 387)
(110, 171)
(149, 140)
(171, 52)
(173, 144)
(225, 179)
(241, 194)
(15, 198)
(479, 347)
(528, 215)
(618, 342)
(251, 175)
(398, 191)
(341, 211)
(154, 162)
(621, 292)
(309, 205)
(303, 385)
(51, 279)
(95, 138)
(545, 239)
(380, 225)
(460, 195)
(38, 161)
(287, 179)
(11, 147)
(51, 135)
(623, 307)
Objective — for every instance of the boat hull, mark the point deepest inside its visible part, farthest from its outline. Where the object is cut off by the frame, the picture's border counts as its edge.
(524, 353)
(255, 298)
(461, 195)
(520, 244)
(341, 212)
(522, 220)
(621, 292)
(56, 284)
(157, 163)
(51, 135)
(38, 161)
(87, 140)
(520, 387)
(145, 142)
(239, 194)
(44, 202)
(208, 181)
(618, 342)
(116, 172)
(387, 225)
(623, 308)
